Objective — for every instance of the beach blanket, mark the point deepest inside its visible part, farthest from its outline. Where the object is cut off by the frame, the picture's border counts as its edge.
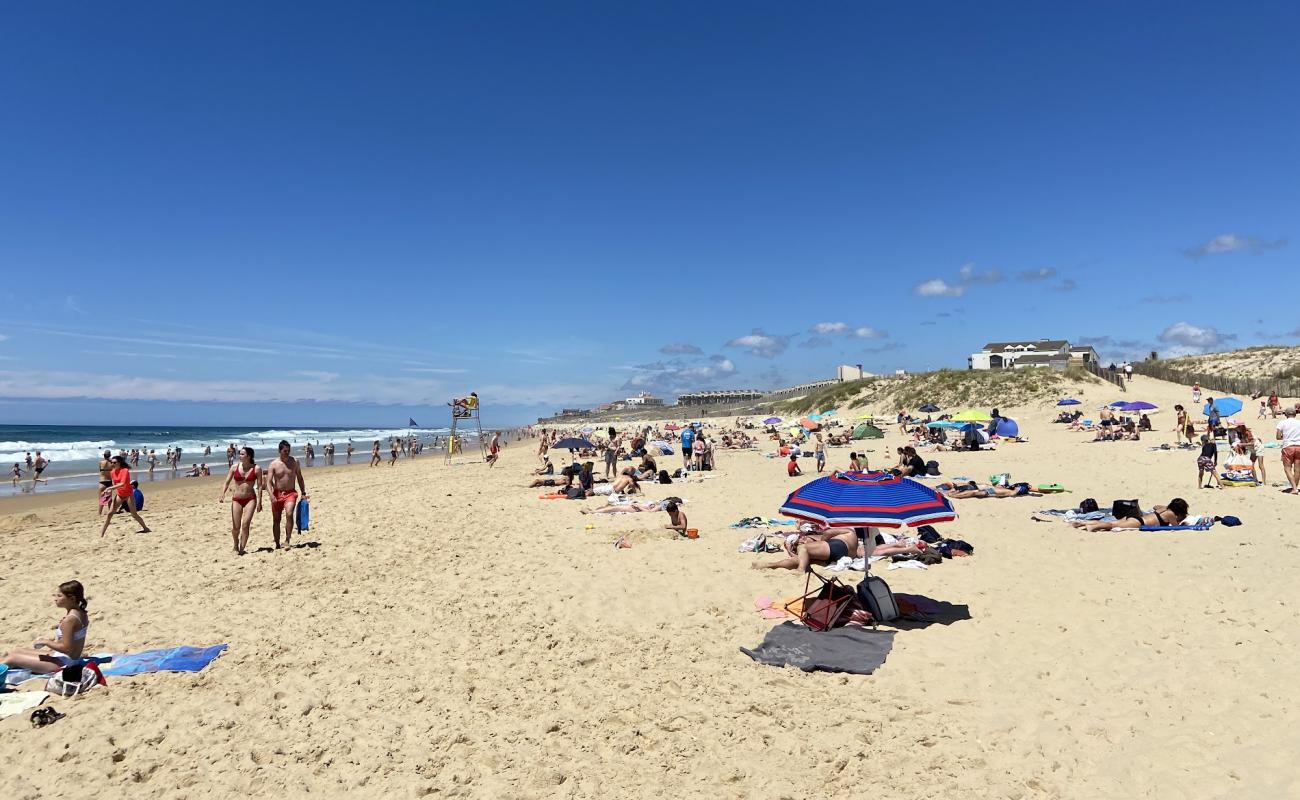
(850, 649)
(1205, 526)
(175, 659)
(17, 702)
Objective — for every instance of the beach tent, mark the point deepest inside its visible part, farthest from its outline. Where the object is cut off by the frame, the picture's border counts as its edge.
(868, 431)
(663, 447)
(1008, 427)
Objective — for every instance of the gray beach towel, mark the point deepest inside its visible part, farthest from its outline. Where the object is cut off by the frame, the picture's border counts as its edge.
(848, 649)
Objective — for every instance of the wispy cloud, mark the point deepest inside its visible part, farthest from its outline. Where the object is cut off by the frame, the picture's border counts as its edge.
(763, 345)
(679, 376)
(1233, 243)
(129, 354)
(3, 338)
(1036, 275)
(234, 348)
(1167, 299)
(436, 370)
(845, 329)
(72, 304)
(681, 349)
(1066, 285)
(815, 342)
(938, 287)
(316, 374)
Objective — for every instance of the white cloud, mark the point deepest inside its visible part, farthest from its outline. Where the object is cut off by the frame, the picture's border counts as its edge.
(316, 374)
(3, 338)
(938, 287)
(1233, 243)
(1035, 275)
(436, 370)
(969, 275)
(762, 344)
(1198, 339)
(867, 332)
(677, 376)
(830, 328)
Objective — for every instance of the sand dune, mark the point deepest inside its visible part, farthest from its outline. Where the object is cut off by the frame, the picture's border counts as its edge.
(452, 635)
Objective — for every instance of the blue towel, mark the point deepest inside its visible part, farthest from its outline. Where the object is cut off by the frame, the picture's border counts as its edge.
(175, 659)
(1204, 527)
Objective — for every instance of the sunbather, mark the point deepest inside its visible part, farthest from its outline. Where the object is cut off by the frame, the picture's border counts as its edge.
(69, 639)
(973, 491)
(1172, 514)
(832, 544)
(624, 508)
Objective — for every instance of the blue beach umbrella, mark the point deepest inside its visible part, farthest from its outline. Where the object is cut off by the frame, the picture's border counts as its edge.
(870, 498)
(1227, 406)
(772, 421)
(1069, 401)
(1117, 404)
(943, 423)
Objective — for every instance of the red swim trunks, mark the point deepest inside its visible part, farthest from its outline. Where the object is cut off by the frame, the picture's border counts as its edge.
(279, 499)
(1290, 455)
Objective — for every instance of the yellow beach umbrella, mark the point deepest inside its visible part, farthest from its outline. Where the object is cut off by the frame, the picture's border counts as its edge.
(971, 415)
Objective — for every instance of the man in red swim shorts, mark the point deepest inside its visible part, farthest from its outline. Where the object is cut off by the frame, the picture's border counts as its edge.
(1288, 433)
(285, 478)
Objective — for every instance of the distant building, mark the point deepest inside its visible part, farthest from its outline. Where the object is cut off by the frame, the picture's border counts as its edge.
(1053, 353)
(852, 372)
(719, 397)
(643, 399)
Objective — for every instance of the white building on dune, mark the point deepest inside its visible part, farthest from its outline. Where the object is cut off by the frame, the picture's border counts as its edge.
(1053, 353)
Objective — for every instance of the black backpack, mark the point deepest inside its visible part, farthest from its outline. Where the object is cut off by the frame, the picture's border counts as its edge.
(1088, 506)
(932, 468)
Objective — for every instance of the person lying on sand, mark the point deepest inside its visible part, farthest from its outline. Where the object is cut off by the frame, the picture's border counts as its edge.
(972, 490)
(1172, 514)
(830, 545)
(624, 508)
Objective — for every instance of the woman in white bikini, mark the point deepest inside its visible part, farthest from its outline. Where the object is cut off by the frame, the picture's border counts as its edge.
(247, 499)
(69, 639)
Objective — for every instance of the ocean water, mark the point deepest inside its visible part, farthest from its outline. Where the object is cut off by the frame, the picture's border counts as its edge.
(74, 451)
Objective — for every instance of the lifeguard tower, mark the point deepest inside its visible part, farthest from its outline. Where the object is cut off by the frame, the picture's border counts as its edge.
(465, 420)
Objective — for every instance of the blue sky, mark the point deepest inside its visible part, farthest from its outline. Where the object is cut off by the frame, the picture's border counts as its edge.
(373, 207)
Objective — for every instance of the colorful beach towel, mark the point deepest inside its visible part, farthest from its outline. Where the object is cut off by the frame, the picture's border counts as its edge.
(1205, 526)
(175, 659)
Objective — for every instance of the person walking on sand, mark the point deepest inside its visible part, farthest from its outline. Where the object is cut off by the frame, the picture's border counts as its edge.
(392, 449)
(350, 451)
(247, 499)
(153, 462)
(1288, 433)
(123, 495)
(1208, 461)
(1196, 392)
(819, 452)
(284, 480)
(375, 458)
(494, 449)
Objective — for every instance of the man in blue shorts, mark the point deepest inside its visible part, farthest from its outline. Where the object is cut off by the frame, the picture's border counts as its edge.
(688, 439)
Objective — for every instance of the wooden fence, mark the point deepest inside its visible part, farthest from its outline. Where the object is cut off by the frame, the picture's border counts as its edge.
(1248, 387)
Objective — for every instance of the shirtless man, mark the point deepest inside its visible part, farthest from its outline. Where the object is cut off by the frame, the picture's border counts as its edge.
(494, 449)
(284, 477)
(39, 466)
(106, 476)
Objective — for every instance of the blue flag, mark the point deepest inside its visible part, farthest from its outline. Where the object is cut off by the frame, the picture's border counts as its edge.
(412, 423)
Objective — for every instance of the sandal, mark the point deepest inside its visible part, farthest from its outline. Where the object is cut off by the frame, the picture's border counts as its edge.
(45, 716)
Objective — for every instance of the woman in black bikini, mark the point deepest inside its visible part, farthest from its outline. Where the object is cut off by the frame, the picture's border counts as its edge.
(1172, 514)
(247, 499)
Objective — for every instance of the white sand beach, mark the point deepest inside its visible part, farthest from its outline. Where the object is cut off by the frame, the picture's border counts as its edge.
(447, 633)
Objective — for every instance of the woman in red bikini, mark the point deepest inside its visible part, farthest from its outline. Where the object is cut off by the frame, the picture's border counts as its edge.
(247, 499)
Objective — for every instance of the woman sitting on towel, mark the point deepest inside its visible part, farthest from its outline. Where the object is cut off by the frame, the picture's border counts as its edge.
(69, 639)
(1172, 514)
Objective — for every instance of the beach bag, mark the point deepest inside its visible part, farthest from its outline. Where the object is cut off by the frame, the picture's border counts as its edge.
(932, 468)
(575, 493)
(1123, 509)
(1004, 479)
(1089, 505)
(875, 596)
(74, 680)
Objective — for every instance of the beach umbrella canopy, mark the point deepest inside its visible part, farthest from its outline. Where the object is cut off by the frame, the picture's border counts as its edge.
(588, 430)
(1138, 405)
(971, 415)
(1069, 401)
(868, 498)
(571, 443)
(809, 424)
(928, 408)
(1117, 403)
(828, 413)
(1227, 406)
(970, 426)
(672, 426)
(772, 421)
(1008, 427)
(943, 423)
(815, 417)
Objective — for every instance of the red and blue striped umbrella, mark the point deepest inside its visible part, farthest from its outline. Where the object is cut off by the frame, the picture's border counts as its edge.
(851, 499)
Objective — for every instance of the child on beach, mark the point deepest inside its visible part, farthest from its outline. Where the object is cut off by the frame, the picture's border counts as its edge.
(17, 472)
(1208, 461)
(676, 518)
(792, 466)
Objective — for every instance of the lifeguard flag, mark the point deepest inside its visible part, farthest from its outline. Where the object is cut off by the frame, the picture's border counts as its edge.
(412, 423)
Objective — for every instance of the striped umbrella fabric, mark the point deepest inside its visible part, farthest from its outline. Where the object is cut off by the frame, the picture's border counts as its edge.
(846, 500)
